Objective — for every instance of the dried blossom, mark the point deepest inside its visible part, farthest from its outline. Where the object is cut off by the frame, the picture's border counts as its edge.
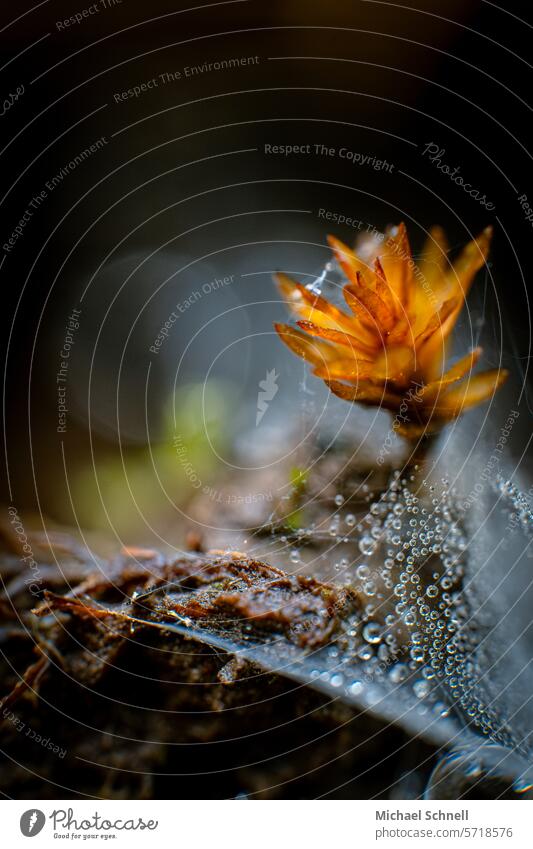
(390, 351)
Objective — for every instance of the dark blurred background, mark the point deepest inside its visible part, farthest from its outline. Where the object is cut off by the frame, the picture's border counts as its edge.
(180, 198)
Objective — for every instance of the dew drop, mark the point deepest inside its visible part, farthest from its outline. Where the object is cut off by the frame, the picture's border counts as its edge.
(372, 632)
(363, 571)
(367, 545)
(398, 673)
(421, 689)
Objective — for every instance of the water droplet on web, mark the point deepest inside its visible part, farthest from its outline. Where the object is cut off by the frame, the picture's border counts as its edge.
(398, 673)
(363, 571)
(421, 689)
(372, 632)
(367, 545)
(418, 654)
(370, 588)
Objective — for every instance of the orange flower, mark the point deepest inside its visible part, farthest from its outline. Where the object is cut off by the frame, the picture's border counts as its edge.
(390, 350)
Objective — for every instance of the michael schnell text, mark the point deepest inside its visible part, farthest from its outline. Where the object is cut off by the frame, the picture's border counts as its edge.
(421, 814)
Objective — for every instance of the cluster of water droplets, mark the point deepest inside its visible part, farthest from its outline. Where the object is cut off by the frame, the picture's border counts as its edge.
(517, 504)
(418, 625)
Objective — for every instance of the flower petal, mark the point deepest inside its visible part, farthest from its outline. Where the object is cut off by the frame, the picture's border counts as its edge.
(385, 292)
(310, 306)
(395, 363)
(365, 393)
(348, 260)
(369, 308)
(438, 323)
(397, 261)
(470, 260)
(455, 373)
(461, 276)
(402, 332)
(471, 392)
(432, 265)
(432, 346)
(304, 346)
(348, 368)
(338, 337)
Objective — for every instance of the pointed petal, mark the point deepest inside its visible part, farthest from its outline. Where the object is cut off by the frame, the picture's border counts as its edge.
(455, 373)
(439, 323)
(304, 346)
(397, 261)
(470, 393)
(384, 290)
(362, 324)
(395, 363)
(348, 260)
(369, 307)
(432, 344)
(402, 332)
(464, 269)
(432, 265)
(469, 261)
(431, 287)
(348, 368)
(403, 280)
(459, 280)
(338, 337)
(310, 306)
(365, 393)
(289, 288)
(466, 363)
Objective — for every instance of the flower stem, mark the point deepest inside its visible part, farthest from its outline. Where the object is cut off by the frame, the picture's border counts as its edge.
(417, 461)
